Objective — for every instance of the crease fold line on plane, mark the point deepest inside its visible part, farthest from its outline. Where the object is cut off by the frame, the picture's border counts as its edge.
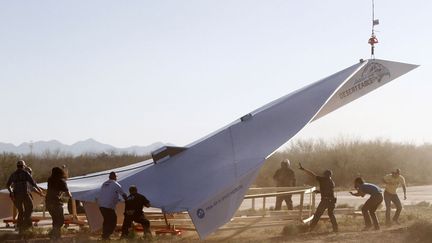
(210, 177)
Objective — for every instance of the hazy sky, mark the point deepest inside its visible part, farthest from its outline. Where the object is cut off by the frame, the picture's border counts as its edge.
(136, 72)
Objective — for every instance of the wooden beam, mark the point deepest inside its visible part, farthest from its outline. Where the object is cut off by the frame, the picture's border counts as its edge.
(74, 210)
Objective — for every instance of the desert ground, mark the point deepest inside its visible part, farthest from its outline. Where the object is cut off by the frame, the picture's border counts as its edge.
(415, 226)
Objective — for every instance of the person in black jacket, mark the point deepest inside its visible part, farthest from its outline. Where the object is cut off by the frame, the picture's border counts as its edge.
(56, 187)
(284, 177)
(134, 204)
(19, 192)
(328, 199)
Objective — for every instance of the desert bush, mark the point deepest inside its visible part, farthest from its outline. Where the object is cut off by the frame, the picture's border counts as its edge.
(350, 222)
(77, 165)
(420, 231)
(423, 204)
(294, 229)
(409, 217)
(7, 237)
(343, 205)
(349, 158)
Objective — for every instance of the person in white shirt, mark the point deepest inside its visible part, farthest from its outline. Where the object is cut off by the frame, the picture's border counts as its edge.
(107, 200)
(392, 182)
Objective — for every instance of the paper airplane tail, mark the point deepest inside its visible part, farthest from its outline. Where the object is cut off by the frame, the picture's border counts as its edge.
(261, 132)
(372, 75)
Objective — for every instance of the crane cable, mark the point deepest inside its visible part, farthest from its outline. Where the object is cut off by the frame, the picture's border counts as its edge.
(373, 40)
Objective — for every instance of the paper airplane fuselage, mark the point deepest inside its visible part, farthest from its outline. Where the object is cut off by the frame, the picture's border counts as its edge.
(210, 177)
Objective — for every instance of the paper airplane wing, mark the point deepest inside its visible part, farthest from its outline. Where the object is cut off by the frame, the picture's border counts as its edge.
(210, 177)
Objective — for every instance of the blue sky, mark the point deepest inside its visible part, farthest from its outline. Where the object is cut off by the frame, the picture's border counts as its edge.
(136, 72)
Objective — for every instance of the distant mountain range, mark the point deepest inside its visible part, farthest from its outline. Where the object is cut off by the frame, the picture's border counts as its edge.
(81, 147)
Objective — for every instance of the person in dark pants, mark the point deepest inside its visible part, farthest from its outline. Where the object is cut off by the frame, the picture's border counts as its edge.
(328, 199)
(17, 186)
(284, 177)
(56, 187)
(108, 199)
(371, 205)
(134, 212)
(392, 182)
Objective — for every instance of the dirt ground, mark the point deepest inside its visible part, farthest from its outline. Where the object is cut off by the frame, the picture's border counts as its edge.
(415, 226)
(394, 235)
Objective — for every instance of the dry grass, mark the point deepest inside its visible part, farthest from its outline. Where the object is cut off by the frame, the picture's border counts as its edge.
(349, 158)
(42, 164)
(416, 226)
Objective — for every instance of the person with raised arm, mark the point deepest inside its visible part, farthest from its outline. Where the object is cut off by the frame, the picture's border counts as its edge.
(328, 199)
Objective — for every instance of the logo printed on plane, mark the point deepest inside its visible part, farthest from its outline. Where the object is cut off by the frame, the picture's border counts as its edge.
(372, 73)
(200, 213)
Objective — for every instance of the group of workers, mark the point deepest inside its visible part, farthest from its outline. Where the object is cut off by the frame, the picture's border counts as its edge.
(21, 184)
(134, 203)
(285, 177)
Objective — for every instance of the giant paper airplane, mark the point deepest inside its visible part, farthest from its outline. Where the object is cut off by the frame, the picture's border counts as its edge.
(210, 177)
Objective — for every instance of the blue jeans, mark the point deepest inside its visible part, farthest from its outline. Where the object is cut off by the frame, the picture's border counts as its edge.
(388, 199)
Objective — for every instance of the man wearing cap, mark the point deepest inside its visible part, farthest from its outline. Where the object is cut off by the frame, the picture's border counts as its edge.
(284, 177)
(392, 182)
(108, 199)
(17, 186)
(328, 199)
(134, 212)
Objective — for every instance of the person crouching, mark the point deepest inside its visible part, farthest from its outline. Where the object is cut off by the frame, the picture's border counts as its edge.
(371, 205)
(134, 212)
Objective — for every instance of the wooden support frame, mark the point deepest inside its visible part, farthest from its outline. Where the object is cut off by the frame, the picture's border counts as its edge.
(266, 192)
(301, 206)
